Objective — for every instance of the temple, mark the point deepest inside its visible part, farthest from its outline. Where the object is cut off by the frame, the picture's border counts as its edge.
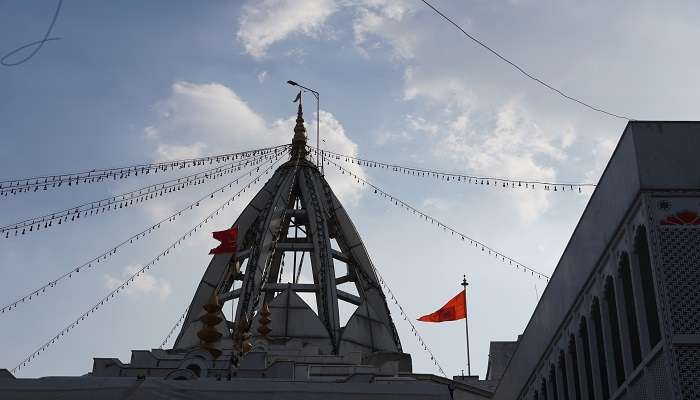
(620, 318)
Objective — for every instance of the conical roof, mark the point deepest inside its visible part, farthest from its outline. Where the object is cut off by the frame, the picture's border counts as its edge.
(297, 219)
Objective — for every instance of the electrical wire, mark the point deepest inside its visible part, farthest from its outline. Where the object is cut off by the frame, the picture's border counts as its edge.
(522, 70)
(465, 238)
(127, 199)
(408, 319)
(45, 182)
(172, 330)
(461, 177)
(135, 275)
(130, 240)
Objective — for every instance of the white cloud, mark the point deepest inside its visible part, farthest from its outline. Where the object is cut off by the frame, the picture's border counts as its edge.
(375, 22)
(211, 118)
(266, 22)
(143, 284)
(150, 132)
(485, 136)
(601, 152)
(176, 152)
(513, 147)
(262, 76)
(384, 137)
(420, 124)
(382, 21)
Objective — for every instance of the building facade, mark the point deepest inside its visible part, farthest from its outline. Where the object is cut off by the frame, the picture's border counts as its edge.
(620, 318)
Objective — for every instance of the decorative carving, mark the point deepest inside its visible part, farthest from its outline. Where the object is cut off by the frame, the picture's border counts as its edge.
(264, 328)
(209, 335)
(682, 218)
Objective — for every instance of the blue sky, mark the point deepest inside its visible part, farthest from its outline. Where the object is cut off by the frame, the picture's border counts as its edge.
(143, 81)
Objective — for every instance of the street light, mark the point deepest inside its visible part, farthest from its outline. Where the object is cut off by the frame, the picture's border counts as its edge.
(318, 122)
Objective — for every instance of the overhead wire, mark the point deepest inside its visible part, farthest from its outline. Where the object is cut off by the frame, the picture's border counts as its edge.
(522, 70)
(130, 240)
(462, 177)
(136, 274)
(455, 233)
(44, 182)
(408, 319)
(127, 199)
(172, 330)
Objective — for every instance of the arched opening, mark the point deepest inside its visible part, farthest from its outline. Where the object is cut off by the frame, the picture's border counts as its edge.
(553, 382)
(586, 345)
(574, 366)
(628, 295)
(600, 348)
(641, 252)
(611, 301)
(564, 375)
(543, 388)
(196, 369)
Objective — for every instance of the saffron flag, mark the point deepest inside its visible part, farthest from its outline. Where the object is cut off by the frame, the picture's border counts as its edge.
(228, 239)
(455, 309)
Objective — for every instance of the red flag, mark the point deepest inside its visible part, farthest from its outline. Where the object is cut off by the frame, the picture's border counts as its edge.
(228, 239)
(455, 309)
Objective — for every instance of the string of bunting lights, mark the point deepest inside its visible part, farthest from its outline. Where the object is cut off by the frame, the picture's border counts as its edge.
(127, 199)
(446, 228)
(136, 274)
(172, 330)
(46, 182)
(409, 321)
(495, 182)
(130, 240)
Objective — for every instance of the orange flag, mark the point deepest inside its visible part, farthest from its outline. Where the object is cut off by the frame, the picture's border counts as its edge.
(455, 309)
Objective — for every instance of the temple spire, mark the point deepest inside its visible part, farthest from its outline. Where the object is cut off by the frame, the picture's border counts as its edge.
(299, 139)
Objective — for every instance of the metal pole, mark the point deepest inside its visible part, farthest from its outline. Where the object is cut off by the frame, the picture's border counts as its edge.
(318, 129)
(466, 324)
(296, 236)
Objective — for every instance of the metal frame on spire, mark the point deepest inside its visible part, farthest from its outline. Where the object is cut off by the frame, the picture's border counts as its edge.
(297, 196)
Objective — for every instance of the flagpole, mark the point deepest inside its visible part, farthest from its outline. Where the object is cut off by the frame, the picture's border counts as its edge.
(466, 324)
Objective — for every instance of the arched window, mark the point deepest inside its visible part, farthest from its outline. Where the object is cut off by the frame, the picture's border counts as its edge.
(641, 252)
(543, 388)
(630, 311)
(586, 345)
(553, 382)
(600, 348)
(611, 301)
(564, 375)
(196, 369)
(574, 363)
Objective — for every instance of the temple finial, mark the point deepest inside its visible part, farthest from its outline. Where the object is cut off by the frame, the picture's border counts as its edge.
(299, 139)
